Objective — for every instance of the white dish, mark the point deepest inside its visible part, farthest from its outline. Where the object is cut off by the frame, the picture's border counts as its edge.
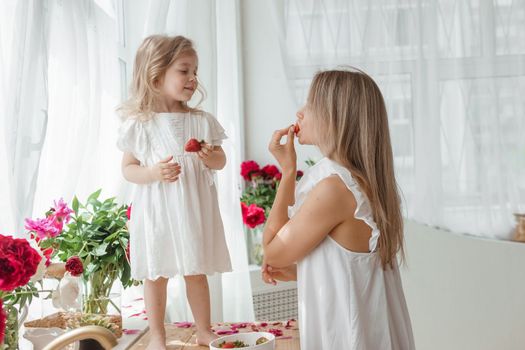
(40, 337)
(248, 338)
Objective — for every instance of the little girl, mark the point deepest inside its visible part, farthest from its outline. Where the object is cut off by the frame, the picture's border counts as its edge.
(339, 231)
(175, 227)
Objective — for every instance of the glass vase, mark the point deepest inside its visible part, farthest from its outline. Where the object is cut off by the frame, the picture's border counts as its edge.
(11, 329)
(101, 295)
(254, 244)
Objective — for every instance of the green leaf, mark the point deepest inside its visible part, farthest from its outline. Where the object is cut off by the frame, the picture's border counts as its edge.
(75, 205)
(101, 250)
(94, 195)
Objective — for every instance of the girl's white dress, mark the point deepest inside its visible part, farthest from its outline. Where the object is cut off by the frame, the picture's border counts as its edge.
(346, 299)
(175, 228)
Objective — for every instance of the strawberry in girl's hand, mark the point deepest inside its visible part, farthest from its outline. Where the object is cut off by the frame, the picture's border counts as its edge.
(193, 145)
(296, 128)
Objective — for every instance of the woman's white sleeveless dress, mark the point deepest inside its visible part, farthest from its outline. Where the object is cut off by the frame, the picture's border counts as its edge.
(347, 301)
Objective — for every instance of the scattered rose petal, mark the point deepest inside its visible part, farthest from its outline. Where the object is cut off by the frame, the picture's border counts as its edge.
(239, 325)
(136, 315)
(276, 332)
(183, 324)
(138, 299)
(145, 318)
(263, 324)
(227, 332)
(131, 331)
(287, 337)
(276, 324)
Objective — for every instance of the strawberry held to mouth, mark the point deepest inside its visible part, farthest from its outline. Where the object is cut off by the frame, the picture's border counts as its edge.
(193, 145)
(296, 128)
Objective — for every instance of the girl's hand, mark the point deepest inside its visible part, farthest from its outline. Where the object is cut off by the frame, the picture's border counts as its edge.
(272, 274)
(165, 171)
(205, 152)
(284, 153)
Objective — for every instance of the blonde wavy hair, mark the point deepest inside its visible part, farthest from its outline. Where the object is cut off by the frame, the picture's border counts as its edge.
(154, 56)
(352, 129)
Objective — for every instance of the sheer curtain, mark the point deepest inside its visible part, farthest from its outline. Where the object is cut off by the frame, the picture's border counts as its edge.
(452, 73)
(79, 155)
(23, 106)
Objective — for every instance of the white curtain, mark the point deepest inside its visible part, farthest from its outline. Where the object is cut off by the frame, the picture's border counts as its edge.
(79, 154)
(23, 107)
(452, 73)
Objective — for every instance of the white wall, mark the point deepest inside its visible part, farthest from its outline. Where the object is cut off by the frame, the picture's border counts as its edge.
(464, 292)
(267, 99)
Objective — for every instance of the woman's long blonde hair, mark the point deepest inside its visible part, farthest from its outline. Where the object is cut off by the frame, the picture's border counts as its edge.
(352, 129)
(154, 56)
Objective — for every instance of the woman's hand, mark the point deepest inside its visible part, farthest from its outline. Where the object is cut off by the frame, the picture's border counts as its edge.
(165, 171)
(271, 274)
(284, 153)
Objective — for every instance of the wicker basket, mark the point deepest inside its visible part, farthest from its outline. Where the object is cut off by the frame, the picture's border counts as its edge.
(68, 320)
(519, 233)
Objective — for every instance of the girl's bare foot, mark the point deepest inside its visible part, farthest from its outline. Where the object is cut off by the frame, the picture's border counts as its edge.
(205, 337)
(157, 343)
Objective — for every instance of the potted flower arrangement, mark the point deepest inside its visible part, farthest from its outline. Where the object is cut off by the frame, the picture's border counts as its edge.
(94, 246)
(256, 202)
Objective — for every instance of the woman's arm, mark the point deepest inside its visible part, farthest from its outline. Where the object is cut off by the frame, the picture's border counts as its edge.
(138, 174)
(325, 207)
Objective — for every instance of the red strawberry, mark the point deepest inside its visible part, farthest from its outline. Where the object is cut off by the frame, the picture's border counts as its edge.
(193, 145)
(296, 129)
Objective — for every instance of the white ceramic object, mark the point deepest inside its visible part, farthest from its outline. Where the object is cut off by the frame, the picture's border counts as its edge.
(248, 338)
(40, 337)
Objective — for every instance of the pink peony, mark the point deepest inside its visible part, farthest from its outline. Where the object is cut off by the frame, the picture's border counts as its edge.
(247, 168)
(61, 211)
(44, 228)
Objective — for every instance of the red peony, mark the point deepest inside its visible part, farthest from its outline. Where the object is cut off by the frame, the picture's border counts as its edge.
(278, 176)
(3, 318)
(270, 171)
(128, 212)
(47, 254)
(247, 168)
(18, 262)
(252, 215)
(74, 266)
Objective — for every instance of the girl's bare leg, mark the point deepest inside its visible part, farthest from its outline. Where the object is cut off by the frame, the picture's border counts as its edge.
(155, 301)
(198, 293)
